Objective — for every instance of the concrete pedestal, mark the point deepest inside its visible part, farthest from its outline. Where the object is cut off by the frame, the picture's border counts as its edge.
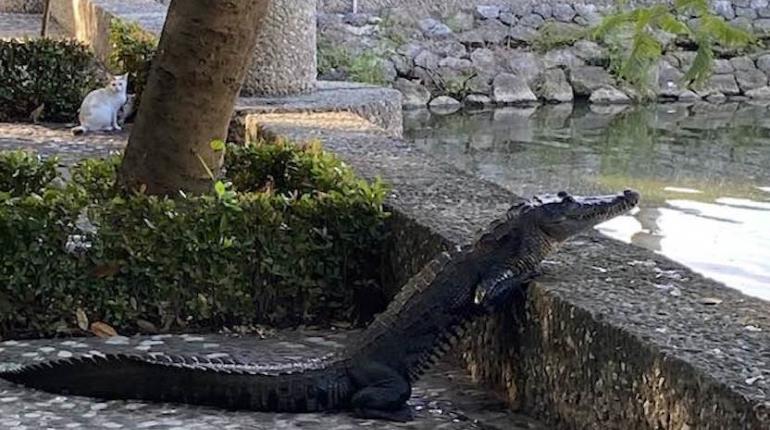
(284, 62)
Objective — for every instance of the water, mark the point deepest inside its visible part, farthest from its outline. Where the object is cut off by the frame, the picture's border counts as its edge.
(703, 171)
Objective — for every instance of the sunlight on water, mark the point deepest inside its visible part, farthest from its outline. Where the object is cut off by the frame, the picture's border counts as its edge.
(622, 228)
(703, 172)
(682, 190)
(727, 241)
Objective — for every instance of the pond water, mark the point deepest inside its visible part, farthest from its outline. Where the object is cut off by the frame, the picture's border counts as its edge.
(703, 171)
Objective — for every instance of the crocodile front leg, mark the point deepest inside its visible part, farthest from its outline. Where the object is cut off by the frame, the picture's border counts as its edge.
(381, 393)
(494, 292)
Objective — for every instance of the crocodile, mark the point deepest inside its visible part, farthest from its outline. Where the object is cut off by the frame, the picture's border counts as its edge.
(373, 375)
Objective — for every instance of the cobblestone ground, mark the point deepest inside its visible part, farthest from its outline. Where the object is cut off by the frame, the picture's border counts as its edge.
(57, 140)
(20, 25)
(444, 399)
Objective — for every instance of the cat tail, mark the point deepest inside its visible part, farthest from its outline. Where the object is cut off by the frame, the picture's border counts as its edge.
(78, 130)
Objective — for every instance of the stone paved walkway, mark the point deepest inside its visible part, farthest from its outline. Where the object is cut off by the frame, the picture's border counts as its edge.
(20, 25)
(444, 399)
(56, 139)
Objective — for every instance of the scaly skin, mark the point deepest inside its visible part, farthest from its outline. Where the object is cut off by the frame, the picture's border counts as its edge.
(372, 376)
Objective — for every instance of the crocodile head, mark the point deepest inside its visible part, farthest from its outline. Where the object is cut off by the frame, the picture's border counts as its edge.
(545, 223)
(563, 216)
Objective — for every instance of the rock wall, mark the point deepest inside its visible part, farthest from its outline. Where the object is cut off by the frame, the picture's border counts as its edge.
(503, 52)
(435, 7)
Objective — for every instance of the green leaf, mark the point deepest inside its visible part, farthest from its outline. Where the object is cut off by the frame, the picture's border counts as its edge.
(218, 145)
(220, 188)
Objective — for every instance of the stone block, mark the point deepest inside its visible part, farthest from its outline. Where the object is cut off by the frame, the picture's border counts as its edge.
(554, 87)
(585, 80)
(511, 89)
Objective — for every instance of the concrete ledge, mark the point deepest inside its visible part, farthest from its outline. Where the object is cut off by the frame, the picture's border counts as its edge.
(89, 20)
(598, 342)
(379, 106)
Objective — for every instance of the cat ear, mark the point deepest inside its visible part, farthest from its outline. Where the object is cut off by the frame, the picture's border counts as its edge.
(123, 77)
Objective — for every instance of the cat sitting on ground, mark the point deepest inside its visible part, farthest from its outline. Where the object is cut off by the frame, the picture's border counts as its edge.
(99, 111)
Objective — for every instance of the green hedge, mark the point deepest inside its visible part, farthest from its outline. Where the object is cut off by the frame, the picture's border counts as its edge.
(54, 73)
(292, 245)
(23, 173)
(132, 52)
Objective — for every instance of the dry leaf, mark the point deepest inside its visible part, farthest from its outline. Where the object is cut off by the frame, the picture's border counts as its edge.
(106, 270)
(103, 330)
(82, 319)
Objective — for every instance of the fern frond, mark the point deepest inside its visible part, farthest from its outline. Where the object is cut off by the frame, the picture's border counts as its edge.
(612, 23)
(700, 70)
(644, 53)
(670, 24)
(642, 18)
(718, 30)
(700, 7)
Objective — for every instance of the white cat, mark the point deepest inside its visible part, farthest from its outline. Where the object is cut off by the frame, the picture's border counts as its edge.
(100, 108)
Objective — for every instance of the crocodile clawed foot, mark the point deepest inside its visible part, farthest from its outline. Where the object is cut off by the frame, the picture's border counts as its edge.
(402, 415)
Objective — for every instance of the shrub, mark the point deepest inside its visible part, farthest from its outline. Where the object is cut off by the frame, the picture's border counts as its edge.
(292, 245)
(332, 58)
(22, 173)
(367, 68)
(132, 52)
(56, 74)
(364, 67)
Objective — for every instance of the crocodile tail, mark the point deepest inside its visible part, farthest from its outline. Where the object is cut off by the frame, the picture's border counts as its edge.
(179, 379)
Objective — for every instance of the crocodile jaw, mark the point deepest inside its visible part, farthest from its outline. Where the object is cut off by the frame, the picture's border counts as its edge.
(566, 215)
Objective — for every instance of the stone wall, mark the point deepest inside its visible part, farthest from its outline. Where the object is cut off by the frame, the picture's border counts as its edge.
(501, 53)
(423, 8)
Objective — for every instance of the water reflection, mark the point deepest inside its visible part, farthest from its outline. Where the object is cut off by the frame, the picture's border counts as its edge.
(703, 171)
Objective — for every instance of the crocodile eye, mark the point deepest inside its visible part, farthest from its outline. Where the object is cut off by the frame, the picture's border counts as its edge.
(565, 197)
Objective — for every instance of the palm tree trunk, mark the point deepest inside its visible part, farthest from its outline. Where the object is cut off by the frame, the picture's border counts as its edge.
(202, 58)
